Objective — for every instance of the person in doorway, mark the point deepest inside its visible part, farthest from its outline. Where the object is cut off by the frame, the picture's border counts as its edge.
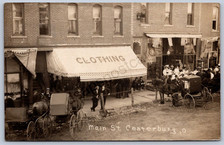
(95, 98)
(141, 83)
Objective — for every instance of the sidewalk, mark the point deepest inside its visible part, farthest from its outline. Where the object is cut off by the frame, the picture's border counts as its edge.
(115, 103)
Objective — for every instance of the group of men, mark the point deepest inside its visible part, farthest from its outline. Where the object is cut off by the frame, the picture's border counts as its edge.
(138, 84)
(100, 93)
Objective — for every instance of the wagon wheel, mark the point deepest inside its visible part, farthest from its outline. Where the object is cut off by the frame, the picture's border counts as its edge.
(31, 131)
(80, 121)
(207, 95)
(189, 101)
(73, 125)
(47, 126)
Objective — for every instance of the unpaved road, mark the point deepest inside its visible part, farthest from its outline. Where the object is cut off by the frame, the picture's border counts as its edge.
(151, 121)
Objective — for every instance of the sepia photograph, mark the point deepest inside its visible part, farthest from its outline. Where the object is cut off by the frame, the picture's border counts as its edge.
(112, 71)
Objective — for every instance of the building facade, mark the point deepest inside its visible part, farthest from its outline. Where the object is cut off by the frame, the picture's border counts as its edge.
(185, 34)
(45, 26)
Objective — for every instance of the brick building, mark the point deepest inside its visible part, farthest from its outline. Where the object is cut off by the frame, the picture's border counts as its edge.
(175, 33)
(42, 27)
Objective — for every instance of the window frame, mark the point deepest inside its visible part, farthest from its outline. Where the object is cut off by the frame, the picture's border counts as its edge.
(49, 20)
(97, 21)
(74, 20)
(20, 19)
(169, 12)
(118, 20)
(215, 20)
(190, 15)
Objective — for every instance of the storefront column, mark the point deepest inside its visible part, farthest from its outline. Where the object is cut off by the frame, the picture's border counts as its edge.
(30, 88)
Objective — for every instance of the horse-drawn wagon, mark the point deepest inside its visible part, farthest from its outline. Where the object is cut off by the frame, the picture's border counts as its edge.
(195, 92)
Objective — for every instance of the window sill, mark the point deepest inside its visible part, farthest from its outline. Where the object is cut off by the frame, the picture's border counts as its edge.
(118, 36)
(73, 36)
(167, 25)
(215, 31)
(190, 26)
(19, 37)
(45, 36)
(97, 36)
(144, 25)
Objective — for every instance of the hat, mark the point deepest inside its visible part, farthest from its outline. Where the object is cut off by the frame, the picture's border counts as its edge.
(166, 66)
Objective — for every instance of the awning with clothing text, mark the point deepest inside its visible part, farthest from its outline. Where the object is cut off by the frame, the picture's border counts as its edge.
(95, 63)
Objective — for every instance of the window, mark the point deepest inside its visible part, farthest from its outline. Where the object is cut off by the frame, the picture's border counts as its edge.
(44, 19)
(143, 15)
(215, 18)
(137, 48)
(18, 19)
(97, 20)
(72, 19)
(168, 14)
(118, 20)
(12, 78)
(190, 14)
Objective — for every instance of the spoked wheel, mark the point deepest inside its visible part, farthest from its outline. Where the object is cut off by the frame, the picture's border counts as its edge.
(47, 126)
(207, 95)
(30, 131)
(73, 125)
(80, 121)
(189, 101)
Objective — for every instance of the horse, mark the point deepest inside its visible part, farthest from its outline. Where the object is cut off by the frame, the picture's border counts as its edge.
(168, 87)
(41, 107)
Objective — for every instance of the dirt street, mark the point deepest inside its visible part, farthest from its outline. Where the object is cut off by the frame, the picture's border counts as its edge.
(152, 121)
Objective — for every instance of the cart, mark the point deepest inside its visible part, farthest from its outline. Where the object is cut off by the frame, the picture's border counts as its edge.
(194, 93)
(62, 112)
(21, 118)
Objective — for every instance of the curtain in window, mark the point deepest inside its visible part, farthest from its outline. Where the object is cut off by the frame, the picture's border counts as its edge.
(72, 19)
(44, 19)
(118, 19)
(18, 19)
(97, 20)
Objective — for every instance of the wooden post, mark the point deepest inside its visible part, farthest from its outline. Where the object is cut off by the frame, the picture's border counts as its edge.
(156, 95)
(30, 88)
(132, 97)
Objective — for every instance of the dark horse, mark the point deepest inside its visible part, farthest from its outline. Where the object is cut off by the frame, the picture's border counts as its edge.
(42, 106)
(167, 86)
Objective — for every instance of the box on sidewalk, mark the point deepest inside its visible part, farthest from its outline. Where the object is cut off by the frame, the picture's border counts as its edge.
(16, 114)
(59, 104)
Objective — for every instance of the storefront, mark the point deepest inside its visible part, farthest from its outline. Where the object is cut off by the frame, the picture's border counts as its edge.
(95, 64)
(19, 70)
(171, 49)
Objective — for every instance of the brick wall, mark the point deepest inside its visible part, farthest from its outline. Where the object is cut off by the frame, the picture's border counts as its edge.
(59, 26)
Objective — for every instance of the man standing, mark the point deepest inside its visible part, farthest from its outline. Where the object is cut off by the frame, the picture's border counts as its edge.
(104, 92)
(95, 98)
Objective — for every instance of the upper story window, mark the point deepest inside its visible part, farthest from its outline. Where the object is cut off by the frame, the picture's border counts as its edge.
(143, 14)
(118, 20)
(44, 19)
(215, 17)
(18, 18)
(168, 13)
(72, 19)
(97, 20)
(190, 14)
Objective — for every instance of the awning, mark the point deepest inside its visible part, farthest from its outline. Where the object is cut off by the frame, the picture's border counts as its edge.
(95, 63)
(27, 56)
(157, 35)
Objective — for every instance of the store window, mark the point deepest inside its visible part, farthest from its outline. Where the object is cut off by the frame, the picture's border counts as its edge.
(137, 48)
(12, 78)
(44, 19)
(18, 19)
(118, 20)
(190, 14)
(215, 18)
(168, 13)
(97, 20)
(72, 19)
